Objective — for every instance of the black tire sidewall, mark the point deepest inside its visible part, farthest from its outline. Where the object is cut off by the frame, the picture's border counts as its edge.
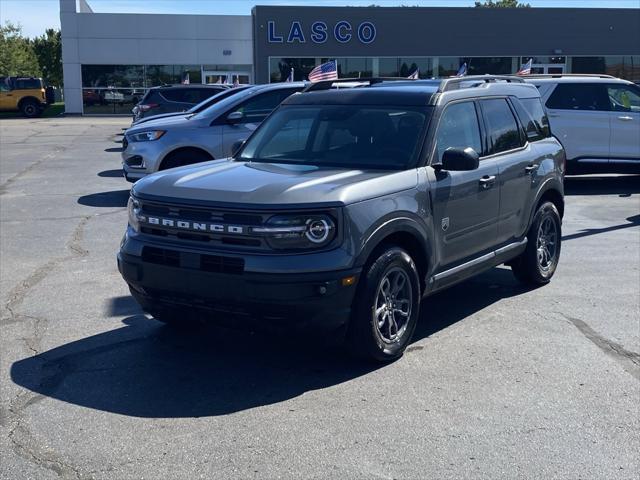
(527, 269)
(29, 105)
(363, 333)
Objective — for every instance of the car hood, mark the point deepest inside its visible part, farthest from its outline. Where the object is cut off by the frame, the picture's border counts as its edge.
(270, 185)
(146, 120)
(162, 123)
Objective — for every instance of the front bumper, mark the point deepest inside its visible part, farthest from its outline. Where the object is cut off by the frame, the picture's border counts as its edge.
(140, 159)
(295, 301)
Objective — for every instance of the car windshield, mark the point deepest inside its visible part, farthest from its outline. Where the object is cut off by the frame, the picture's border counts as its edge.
(227, 102)
(351, 136)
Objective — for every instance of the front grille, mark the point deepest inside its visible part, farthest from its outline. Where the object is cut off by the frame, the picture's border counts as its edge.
(244, 220)
(194, 261)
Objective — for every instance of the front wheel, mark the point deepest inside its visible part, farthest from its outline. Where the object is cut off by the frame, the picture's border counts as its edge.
(386, 307)
(537, 264)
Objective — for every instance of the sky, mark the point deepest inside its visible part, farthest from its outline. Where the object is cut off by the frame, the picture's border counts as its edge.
(35, 16)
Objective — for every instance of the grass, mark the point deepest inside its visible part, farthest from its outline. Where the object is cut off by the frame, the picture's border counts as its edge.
(52, 110)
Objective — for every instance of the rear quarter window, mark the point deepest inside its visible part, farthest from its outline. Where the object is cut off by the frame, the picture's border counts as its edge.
(533, 117)
(174, 95)
(28, 83)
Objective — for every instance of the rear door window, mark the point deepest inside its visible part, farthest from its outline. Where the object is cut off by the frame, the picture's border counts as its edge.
(502, 129)
(174, 95)
(579, 96)
(204, 93)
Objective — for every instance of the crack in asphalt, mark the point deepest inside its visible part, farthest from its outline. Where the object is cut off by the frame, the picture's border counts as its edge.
(23, 441)
(629, 360)
(10, 180)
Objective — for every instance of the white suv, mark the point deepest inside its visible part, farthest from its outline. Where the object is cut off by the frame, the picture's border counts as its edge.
(597, 120)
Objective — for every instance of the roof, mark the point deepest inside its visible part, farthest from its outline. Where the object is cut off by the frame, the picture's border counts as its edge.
(574, 78)
(411, 92)
(214, 86)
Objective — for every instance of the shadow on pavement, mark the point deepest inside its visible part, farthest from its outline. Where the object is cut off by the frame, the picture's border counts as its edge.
(111, 174)
(145, 369)
(114, 149)
(623, 185)
(114, 198)
(632, 222)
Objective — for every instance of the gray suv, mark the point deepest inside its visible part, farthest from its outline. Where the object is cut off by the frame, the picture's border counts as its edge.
(347, 206)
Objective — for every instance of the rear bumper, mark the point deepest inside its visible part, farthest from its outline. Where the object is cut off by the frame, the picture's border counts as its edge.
(298, 301)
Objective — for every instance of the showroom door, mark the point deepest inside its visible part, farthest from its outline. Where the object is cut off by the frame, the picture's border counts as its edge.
(210, 76)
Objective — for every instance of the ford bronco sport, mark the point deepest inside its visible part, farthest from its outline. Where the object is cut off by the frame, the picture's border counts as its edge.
(26, 95)
(347, 206)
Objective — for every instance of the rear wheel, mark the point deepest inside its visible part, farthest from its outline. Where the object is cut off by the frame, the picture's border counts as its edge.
(386, 307)
(539, 261)
(185, 157)
(30, 108)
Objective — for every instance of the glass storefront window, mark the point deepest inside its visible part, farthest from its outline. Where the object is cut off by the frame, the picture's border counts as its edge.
(280, 68)
(110, 101)
(627, 67)
(388, 67)
(408, 65)
(352, 67)
(112, 75)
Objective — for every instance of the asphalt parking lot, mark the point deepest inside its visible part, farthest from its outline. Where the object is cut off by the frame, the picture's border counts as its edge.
(500, 381)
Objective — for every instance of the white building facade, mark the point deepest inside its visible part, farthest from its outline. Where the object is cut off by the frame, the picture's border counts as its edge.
(109, 60)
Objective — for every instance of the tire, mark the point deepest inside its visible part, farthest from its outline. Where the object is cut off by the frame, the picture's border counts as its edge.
(184, 157)
(371, 336)
(30, 108)
(537, 264)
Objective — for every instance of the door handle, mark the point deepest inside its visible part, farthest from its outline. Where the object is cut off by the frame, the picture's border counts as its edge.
(531, 168)
(487, 181)
(625, 118)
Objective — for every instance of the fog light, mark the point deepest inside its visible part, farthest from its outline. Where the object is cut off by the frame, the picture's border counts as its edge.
(348, 281)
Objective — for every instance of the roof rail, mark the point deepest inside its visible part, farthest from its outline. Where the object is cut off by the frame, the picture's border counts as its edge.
(559, 75)
(327, 84)
(453, 83)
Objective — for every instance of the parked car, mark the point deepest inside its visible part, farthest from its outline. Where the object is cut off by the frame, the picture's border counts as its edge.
(23, 94)
(345, 207)
(597, 120)
(182, 140)
(173, 98)
(196, 108)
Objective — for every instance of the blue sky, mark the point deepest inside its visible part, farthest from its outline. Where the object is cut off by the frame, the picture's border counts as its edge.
(37, 15)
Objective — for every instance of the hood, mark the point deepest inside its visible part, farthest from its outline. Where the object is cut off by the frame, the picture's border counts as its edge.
(163, 123)
(270, 185)
(158, 117)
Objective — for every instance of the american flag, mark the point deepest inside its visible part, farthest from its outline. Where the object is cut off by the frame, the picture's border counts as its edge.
(526, 68)
(462, 71)
(290, 77)
(414, 75)
(326, 71)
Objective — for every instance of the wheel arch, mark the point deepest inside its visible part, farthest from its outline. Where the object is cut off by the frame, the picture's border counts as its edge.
(405, 233)
(27, 99)
(553, 192)
(183, 149)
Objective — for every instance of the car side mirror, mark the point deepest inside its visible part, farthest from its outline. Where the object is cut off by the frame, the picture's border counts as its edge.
(235, 117)
(236, 147)
(459, 159)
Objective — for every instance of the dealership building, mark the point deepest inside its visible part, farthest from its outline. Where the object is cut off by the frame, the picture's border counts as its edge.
(110, 59)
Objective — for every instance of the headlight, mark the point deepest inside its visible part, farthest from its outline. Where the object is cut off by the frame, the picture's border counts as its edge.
(146, 136)
(298, 231)
(133, 208)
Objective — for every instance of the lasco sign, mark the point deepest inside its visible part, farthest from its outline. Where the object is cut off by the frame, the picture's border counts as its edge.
(343, 31)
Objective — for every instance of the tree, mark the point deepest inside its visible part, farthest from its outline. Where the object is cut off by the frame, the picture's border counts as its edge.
(17, 57)
(48, 49)
(502, 4)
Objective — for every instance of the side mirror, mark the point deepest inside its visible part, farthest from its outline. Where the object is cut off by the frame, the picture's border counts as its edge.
(236, 147)
(459, 159)
(235, 117)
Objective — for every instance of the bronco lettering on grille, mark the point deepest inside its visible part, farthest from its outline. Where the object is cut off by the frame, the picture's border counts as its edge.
(196, 226)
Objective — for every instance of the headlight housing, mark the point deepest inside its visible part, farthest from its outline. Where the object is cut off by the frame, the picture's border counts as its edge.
(298, 231)
(133, 209)
(146, 136)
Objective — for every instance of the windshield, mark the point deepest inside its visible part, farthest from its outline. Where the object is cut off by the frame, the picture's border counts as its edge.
(228, 102)
(360, 136)
(215, 99)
